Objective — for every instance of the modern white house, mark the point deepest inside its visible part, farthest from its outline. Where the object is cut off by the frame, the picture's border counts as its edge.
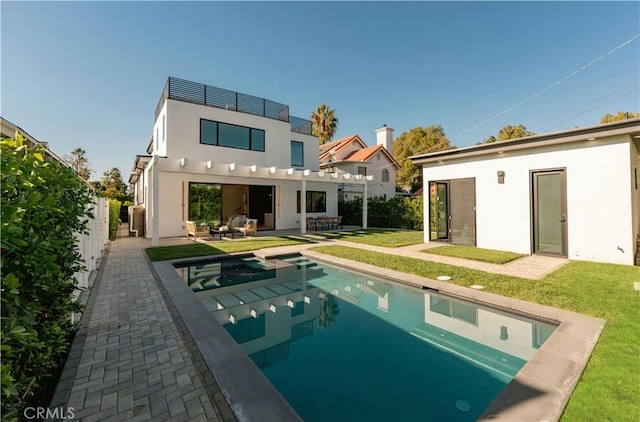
(570, 194)
(216, 154)
(352, 155)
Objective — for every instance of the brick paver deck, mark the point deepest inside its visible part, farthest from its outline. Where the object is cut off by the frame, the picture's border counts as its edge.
(129, 361)
(132, 358)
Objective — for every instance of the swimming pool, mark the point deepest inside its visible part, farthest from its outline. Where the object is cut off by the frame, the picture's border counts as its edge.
(339, 345)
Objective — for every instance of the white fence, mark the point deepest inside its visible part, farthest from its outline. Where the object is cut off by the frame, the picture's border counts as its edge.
(93, 245)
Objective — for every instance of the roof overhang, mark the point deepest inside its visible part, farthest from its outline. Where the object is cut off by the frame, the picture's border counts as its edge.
(592, 133)
(138, 167)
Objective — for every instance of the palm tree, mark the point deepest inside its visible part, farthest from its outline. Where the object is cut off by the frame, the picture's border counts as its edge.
(324, 123)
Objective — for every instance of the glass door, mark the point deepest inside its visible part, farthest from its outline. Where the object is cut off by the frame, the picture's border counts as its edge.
(549, 212)
(463, 211)
(438, 211)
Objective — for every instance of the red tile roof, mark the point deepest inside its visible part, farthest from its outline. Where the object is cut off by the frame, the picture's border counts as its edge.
(338, 145)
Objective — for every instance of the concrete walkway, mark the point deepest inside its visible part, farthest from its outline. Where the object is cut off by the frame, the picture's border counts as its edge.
(132, 358)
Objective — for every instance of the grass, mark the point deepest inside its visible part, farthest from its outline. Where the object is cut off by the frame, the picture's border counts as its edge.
(476, 254)
(608, 388)
(377, 237)
(161, 253)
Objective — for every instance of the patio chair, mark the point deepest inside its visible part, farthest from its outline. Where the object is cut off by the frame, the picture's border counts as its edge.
(196, 231)
(251, 226)
(311, 223)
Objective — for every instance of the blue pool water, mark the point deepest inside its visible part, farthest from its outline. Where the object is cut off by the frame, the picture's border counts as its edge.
(343, 346)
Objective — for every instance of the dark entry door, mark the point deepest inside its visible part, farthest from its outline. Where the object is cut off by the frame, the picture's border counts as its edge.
(549, 225)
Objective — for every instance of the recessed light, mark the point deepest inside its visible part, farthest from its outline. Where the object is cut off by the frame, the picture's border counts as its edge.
(591, 139)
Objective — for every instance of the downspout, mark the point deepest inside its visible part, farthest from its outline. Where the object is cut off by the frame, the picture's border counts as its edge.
(365, 204)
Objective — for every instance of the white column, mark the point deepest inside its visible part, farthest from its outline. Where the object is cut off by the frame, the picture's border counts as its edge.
(303, 207)
(155, 203)
(364, 205)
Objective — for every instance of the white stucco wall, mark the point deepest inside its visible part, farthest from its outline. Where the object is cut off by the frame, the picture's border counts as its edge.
(172, 214)
(183, 137)
(599, 209)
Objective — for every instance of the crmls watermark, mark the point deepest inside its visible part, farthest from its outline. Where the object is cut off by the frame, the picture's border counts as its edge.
(42, 413)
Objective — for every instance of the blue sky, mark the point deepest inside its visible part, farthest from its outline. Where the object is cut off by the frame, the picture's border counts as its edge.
(89, 75)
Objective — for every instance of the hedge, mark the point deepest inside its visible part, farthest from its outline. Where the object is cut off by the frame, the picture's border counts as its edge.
(397, 212)
(44, 206)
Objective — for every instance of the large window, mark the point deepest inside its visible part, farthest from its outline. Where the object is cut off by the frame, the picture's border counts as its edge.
(385, 175)
(315, 201)
(205, 203)
(362, 170)
(232, 136)
(297, 154)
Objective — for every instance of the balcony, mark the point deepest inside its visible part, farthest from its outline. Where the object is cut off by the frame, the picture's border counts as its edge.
(210, 96)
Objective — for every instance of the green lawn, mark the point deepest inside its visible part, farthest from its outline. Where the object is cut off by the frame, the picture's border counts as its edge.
(161, 253)
(609, 388)
(377, 237)
(477, 254)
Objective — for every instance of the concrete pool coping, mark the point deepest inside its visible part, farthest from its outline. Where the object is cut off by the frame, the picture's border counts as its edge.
(538, 392)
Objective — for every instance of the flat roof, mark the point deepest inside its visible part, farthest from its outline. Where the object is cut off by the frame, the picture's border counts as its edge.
(590, 133)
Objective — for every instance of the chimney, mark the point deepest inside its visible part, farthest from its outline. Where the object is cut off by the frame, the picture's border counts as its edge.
(384, 137)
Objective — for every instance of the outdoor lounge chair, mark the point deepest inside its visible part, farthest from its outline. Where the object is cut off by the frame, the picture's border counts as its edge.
(251, 226)
(196, 231)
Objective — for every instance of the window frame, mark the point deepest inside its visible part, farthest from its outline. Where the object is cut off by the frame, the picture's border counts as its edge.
(385, 172)
(309, 201)
(251, 132)
(301, 156)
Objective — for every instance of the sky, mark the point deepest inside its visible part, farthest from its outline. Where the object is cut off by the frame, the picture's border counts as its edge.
(90, 74)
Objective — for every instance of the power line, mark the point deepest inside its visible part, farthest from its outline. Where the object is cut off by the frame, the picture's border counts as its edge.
(542, 91)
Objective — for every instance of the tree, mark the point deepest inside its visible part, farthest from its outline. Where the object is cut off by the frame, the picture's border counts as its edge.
(621, 115)
(509, 132)
(79, 162)
(323, 123)
(419, 140)
(112, 185)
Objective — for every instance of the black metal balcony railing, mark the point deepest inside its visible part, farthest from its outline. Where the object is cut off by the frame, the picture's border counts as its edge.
(300, 125)
(196, 93)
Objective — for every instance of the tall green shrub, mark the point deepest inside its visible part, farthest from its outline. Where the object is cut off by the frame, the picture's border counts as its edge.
(397, 212)
(114, 217)
(44, 206)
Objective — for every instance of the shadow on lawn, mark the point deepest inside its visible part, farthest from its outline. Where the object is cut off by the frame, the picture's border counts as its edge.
(161, 253)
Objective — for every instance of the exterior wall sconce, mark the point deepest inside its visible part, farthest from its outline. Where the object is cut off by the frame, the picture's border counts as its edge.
(272, 170)
(209, 164)
(358, 177)
(232, 167)
(500, 177)
(253, 168)
(183, 162)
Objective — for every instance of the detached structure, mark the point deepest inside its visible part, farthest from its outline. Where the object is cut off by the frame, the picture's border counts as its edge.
(217, 154)
(570, 194)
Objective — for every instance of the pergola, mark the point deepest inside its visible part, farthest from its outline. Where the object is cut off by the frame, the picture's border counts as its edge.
(211, 168)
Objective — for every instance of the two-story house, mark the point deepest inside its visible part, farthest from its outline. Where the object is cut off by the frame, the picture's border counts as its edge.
(352, 155)
(215, 154)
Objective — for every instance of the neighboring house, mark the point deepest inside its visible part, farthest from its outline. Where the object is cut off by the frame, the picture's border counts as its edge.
(215, 154)
(569, 194)
(352, 155)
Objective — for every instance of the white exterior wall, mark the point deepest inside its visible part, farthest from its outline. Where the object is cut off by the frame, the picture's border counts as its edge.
(159, 144)
(635, 190)
(599, 209)
(173, 215)
(183, 138)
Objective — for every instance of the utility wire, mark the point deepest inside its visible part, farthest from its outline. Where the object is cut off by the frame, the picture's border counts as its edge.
(542, 91)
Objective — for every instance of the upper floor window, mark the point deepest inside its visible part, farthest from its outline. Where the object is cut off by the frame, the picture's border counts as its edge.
(297, 154)
(156, 140)
(232, 136)
(164, 124)
(385, 175)
(362, 170)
